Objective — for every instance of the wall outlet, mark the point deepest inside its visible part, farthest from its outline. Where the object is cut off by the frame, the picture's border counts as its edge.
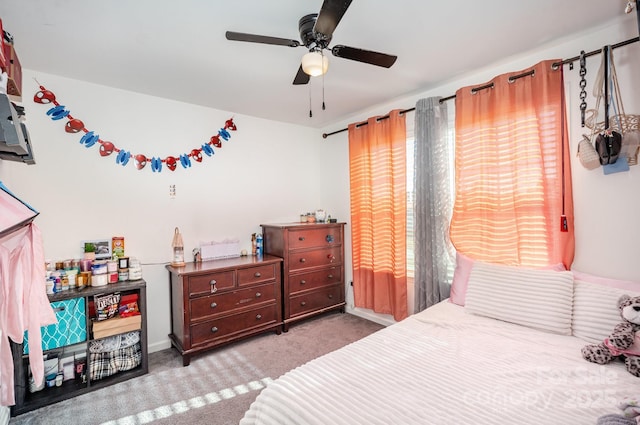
(172, 191)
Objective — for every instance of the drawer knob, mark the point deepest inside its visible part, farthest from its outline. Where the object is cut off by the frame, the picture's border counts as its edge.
(258, 316)
(329, 238)
(331, 257)
(303, 303)
(330, 296)
(257, 274)
(330, 276)
(303, 260)
(303, 282)
(258, 294)
(214, 329)
(213, 286)
(214, 305)
(301, 238)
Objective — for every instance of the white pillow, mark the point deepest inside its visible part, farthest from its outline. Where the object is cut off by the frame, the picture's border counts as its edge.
(540, 299)
(595, 310)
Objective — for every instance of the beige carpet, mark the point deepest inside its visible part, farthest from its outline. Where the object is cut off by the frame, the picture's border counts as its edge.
(216, 389)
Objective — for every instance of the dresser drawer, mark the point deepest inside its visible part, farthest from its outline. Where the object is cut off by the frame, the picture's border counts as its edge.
(311, 238)
(211, 283)
(253, 275)
(312, 280)
(317, 257)
(225, 303)
(224, 327)
(316, 300)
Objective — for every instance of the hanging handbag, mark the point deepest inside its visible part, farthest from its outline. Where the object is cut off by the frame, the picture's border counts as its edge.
(627, 124)
(617, 136)
(587, 154)
(631, 145)
(608, 145)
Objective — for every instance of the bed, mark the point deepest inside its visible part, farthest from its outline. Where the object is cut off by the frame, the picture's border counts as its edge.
(460, 364)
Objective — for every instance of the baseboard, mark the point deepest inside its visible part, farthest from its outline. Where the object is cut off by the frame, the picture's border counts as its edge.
(159, 346)
(382, 319)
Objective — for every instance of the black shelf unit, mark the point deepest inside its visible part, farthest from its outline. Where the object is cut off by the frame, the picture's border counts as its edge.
(27, 401)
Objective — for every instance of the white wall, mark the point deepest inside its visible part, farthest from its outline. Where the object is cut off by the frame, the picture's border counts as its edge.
(266, 172)
(607, 208)
(270, 172)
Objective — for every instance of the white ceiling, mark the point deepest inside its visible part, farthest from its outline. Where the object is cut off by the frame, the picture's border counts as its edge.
(178, 49)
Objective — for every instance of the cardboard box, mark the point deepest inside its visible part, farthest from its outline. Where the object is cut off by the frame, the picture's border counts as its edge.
(116, 325)
(14, 71)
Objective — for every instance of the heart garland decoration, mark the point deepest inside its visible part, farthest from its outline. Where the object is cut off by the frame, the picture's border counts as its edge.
(106, 148)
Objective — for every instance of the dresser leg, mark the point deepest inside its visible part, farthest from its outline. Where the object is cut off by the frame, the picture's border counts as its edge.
(186, 360)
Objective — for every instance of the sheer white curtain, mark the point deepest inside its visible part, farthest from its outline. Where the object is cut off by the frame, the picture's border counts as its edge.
(433, 174)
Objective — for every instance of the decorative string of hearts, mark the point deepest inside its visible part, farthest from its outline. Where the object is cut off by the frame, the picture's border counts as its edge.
(90, 138)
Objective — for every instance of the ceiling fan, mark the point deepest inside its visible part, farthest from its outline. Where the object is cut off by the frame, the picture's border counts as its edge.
(316, 30)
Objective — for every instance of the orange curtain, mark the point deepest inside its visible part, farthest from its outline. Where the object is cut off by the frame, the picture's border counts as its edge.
(513, 178)
(377, 167)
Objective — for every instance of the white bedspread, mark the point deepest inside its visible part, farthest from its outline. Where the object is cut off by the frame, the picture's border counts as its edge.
(446, 366)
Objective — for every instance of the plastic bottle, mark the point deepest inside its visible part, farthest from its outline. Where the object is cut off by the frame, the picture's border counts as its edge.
(259, 244)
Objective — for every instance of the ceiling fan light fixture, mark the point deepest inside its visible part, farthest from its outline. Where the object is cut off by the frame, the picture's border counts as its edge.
(315, 63)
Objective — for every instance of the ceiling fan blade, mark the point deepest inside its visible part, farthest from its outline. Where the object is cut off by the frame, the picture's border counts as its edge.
(253, 38)
(366, 56)
(330, 15)
(301, 77)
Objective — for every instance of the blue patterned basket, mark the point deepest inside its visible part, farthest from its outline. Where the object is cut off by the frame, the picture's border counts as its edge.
(70, 329)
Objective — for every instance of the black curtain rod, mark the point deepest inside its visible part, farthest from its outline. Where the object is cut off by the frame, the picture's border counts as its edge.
(487, 86)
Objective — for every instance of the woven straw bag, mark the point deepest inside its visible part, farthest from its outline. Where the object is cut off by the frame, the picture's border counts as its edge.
(587, 154)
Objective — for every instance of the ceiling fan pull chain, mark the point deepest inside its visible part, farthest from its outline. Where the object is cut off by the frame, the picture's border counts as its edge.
(323, 108)
(310, 112)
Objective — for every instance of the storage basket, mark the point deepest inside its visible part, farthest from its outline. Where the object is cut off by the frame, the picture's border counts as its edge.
(70, 329)
(102, 365)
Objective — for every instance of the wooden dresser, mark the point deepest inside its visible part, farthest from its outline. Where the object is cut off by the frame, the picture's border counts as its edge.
(313, 267)
(220, 301)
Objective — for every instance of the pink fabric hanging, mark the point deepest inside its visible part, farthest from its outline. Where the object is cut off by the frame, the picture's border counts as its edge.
(24, 304)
